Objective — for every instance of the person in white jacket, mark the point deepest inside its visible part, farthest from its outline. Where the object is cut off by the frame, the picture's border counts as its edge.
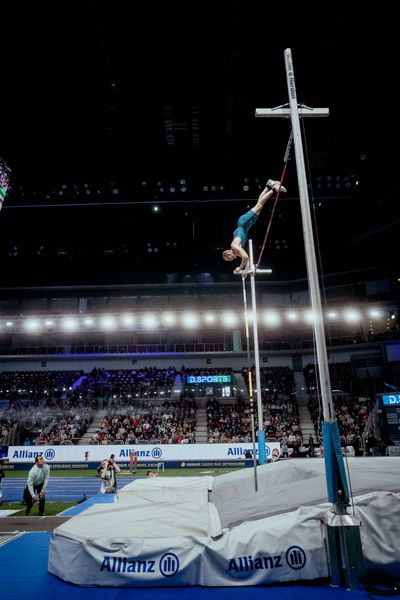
(38, 478)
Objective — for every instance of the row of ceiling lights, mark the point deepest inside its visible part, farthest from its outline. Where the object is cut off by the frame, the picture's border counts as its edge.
(172, 186)
(151, 321)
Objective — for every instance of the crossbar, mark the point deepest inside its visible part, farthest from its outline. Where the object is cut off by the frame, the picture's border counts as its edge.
(280, 112)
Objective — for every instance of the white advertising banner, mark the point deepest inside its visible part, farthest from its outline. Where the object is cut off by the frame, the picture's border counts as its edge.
(146, 453)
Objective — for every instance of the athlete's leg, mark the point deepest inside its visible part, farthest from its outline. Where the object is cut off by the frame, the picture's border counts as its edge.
(263, 197)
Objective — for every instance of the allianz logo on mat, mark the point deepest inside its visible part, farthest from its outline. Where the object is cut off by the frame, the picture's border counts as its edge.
(168, 565)
(295, 558)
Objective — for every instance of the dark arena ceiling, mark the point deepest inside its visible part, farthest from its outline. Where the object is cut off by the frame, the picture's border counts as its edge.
(111, 109)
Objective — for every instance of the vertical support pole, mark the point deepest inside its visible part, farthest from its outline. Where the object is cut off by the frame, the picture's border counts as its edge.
(260, 433)
(251, 394)
(326, 393)
(344, 548)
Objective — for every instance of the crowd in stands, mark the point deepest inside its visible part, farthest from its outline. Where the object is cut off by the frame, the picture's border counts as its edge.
(281, 418)
(147, 422)
(273, 379)
(149, 381)
(228, 422)
(352, 411)
(352, 414)
(32, 387)
(65, 428)
(57, 407)
(340, 374)
(232, 422)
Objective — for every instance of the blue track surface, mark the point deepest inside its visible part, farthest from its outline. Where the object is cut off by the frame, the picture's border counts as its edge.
(78, 508)
(59, 489)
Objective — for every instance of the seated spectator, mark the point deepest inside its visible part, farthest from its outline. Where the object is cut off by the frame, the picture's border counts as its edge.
(284, 450)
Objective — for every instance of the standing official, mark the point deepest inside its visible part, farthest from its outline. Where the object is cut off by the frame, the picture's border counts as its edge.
(38, 479)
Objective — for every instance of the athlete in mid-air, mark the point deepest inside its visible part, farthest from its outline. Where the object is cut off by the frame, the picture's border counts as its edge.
(245, 222)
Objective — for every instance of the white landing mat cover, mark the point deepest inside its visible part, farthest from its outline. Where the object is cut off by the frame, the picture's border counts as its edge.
(167, 534)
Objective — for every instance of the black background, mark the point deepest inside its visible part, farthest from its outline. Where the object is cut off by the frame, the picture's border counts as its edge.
(92, 91)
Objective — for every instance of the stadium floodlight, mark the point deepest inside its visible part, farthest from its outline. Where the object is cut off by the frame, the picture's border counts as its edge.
(229, 319)
(108, 322)
(190, 320)
(128, 320)
(310, 316)
(168, 319)
(271, 317)
(351, 315)
(69, 324)
(150, 321)
(292, 316)
(32, 325)
(210, 318)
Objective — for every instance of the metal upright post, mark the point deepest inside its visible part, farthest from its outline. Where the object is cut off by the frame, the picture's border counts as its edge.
(343, 535)
(252, 272)
(261, 433)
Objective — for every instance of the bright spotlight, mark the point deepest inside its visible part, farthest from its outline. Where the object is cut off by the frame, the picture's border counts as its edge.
(332, 314)
(168, 319)
(292, 316)
(210, 318)
(108, 322)
(127, 320)
(229, 319)
(69, 324)
(149, 321)
(351, 315)
(32, 325)
(375, 313)
(190, 320)
(310, 316)
(271, 317)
